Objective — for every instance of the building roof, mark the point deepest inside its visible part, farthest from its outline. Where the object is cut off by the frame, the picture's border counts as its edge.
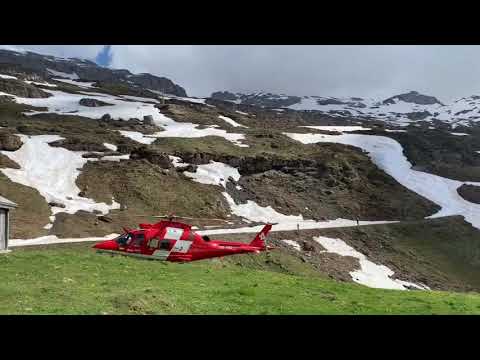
(5, 203)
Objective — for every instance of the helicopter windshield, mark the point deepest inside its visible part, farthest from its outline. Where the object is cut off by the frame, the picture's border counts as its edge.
(124, 239)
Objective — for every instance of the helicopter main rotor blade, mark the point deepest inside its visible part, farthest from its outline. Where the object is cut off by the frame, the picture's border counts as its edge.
(181, 217)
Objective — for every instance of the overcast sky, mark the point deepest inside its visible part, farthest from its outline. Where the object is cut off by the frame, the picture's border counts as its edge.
(447, 72)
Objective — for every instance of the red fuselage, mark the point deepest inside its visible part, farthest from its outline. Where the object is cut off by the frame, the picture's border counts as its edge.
(177, 242)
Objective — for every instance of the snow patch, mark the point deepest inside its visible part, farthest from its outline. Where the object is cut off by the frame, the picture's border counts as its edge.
(138, 137)
(293, 244)
(40, 83)
(53, 239)
(65, 104)
(231, 122)
(339, 128)
(177, 161)
(189, 130)
(77, 83)
(72, 76)
(394, 131)
(140, 99)
(292, 225)
(215, 173)
(369, 274)
(53, 172)
(110, 146)
(2, 76)
(388, 155)
(251, 211)
(114, 157)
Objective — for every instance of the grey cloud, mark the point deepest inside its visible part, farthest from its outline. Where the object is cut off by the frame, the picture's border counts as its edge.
(82, 51)
(448, 72)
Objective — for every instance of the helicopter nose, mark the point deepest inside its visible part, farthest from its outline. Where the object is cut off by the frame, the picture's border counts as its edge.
(107, 245)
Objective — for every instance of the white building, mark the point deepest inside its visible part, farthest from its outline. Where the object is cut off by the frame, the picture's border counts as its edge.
(5, 207)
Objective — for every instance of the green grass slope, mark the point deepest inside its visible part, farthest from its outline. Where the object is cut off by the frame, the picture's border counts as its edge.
(73, 279)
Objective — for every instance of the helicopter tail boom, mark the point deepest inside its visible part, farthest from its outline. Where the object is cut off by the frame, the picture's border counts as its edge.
(259, 240)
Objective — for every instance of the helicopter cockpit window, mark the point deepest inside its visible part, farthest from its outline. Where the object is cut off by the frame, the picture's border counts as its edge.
(124, 239)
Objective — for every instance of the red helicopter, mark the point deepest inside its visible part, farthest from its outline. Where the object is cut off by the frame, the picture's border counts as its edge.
(177, 242)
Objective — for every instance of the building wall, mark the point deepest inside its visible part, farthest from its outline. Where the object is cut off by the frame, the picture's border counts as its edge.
(3, 229)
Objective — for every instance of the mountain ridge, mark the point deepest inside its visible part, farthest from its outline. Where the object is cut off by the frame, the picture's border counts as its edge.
(401, 109)
(84, 69)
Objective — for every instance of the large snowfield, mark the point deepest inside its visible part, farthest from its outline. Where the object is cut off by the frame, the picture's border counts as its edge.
(52, 171)
(125, 107)
(459, 112)
(388, 155)
(369, 274)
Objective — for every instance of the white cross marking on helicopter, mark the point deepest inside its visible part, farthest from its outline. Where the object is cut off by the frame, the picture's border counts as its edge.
(173, 233)
(182, 246)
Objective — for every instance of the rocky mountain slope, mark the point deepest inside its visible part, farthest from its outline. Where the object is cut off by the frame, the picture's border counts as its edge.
(399, 110)
(48, 67)
(85, 150)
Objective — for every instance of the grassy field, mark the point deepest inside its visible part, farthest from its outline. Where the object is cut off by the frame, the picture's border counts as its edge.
(73, 279)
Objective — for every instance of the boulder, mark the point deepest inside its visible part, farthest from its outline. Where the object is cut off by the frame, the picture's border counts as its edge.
(56, 204)
(92, 102)
(470, 193)
(80, 144)
(162, 106)
(106, 117)
(153, 156)
(148, 120)
(10, 142)
(92, 156)
(190, 168)
(307, 247)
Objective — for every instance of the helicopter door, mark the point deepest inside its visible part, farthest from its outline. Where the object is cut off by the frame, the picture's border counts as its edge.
(137, 242)
(163, 249)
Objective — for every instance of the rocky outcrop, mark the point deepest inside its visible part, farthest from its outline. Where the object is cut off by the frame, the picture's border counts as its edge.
(413, 97)
(6, 162)
(224, 95)
(162, 84)
(93, 102)
(333, 101)
(266, 100)
(79, 144)
(248, 165)
(92, 156)
(106, 117)
(470, 193)
(22, 89)
(153, 156)
(148, 120)
(418, 115)
(10, 142)
(88, 71)
(56, 204)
